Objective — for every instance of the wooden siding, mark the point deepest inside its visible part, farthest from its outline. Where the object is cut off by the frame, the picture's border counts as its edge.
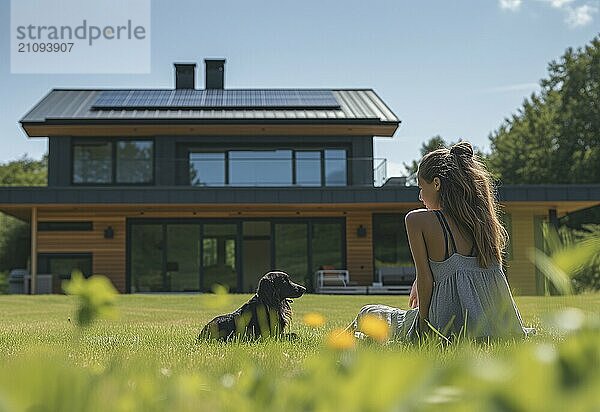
(359, 250)
(520, 271)
(108, 254)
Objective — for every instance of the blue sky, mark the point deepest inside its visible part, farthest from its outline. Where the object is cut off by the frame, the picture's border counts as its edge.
(454, 68)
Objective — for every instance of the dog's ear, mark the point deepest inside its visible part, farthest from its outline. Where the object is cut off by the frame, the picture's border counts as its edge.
(267, 292)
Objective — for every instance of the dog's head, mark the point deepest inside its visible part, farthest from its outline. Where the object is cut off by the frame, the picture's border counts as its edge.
(275, 287)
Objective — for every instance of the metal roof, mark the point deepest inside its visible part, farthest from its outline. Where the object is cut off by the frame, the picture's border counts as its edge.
(69, 105)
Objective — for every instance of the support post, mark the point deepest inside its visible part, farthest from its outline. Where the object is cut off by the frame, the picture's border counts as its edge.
(33, 250)
(553, 218)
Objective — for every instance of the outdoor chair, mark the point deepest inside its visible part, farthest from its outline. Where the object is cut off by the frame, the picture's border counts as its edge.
(328, 275)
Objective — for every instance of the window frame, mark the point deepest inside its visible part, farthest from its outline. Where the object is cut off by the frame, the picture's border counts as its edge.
(113, 158)
(400, 218)
(65, 226)
(45, 258)
(189, 150)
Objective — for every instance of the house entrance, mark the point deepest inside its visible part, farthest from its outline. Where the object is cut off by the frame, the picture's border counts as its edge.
(182, 257)
(192, 255)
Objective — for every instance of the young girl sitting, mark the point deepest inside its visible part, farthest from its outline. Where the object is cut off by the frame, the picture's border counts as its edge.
(457, 244)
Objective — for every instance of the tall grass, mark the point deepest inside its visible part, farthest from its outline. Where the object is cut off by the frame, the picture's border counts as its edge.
(148, 360)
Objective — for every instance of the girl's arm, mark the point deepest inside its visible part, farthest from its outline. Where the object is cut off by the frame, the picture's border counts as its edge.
(413, 300)
(414, 227)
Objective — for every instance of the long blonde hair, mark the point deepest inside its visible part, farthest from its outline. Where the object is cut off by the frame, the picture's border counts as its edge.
(467, 195)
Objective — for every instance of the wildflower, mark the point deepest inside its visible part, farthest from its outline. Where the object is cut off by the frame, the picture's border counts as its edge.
(374, 327)
(314, 319)
(340, 339)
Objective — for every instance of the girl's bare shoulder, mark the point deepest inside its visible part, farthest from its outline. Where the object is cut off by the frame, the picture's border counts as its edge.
(420, 217)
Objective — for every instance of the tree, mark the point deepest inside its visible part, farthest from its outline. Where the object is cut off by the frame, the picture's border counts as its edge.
(434, 143)
(14, 234)
(25, 172)
(555, 136)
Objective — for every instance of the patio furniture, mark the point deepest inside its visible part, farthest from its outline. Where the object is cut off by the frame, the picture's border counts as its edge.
(337, 276)
(396, 275)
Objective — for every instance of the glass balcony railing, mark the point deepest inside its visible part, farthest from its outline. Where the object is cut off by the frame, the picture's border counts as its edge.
(303, 169)
(379, 172)
(277, 168)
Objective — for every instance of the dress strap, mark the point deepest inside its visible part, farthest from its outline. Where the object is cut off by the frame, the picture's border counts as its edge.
(437, 214)
(449, 232)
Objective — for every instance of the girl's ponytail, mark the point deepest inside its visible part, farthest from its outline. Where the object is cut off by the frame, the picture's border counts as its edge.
(467, 195)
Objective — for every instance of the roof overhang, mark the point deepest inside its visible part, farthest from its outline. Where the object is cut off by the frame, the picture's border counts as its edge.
(18, 201)
(182, 127)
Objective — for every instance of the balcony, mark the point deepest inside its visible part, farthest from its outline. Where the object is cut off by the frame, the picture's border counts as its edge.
(277, 170)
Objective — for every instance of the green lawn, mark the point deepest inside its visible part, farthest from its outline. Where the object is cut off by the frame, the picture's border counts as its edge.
(147, 360)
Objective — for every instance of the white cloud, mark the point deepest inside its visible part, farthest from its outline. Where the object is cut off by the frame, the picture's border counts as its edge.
(580, 16)
(512, 5)
(576, 16)
(558, 4)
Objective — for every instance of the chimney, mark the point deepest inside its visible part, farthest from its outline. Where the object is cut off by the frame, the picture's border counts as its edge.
(185, 74)
(214, 74)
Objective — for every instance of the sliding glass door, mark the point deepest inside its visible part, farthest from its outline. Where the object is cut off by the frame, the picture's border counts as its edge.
(219, 256)
(146, 258)
(291, 250)
(183, 258)
(170, 255)
(166, 257)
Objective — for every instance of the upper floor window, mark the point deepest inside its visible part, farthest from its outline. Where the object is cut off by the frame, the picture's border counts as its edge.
(279, 167)
(92, 163)
(207, 169)
(115, 162)
(260, 168)
(335, 167)
(308, 168)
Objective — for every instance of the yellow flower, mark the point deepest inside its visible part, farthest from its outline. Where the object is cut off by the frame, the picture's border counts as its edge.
(340, 339)
(314, 319)
(375, 327)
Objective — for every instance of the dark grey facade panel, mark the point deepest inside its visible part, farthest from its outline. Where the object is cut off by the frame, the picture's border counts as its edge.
(363, 196)
(164, 164)
(343, 197)
(287, 195)
(183, 197)
(361, 164)
(71, 196)
(59, 161)
(536, 193)
(113, 196)
(154, 196)
(53, 162)
(555, 192)
(576, 193)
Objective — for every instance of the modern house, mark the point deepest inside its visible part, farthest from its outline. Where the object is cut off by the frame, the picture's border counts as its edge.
(174, 190)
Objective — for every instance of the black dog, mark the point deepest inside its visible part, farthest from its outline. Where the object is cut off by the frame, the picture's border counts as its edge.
(267, 313)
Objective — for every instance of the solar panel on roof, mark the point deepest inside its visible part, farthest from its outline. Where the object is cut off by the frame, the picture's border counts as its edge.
(216, 99)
